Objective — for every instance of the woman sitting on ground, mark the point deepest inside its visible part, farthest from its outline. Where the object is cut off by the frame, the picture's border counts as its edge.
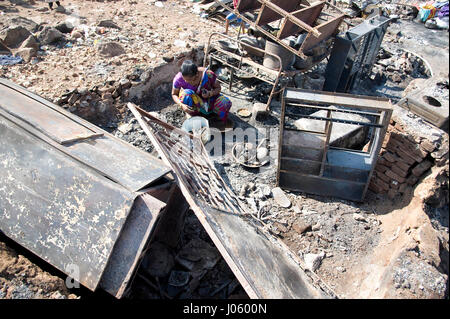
(196, 90)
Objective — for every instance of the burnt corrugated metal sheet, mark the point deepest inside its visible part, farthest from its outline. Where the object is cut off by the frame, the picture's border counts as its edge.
(68, 215)
(114, 158)
(69, 196)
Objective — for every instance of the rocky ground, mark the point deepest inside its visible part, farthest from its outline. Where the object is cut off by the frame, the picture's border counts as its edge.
(368, 250)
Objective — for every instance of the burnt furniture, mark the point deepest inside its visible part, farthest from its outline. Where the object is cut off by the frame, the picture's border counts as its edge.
(308, 163)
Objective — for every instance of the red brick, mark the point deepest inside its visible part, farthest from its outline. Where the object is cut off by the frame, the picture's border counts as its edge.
(399, 137)
(416, 150)
(402, 165)
(384, 178)
(421, 168)
(398, 127)
(391, 174)
(379, 185)
(390, 157)
(366, 147)
(384, 185)
(407, 158)
(382, 161)
(374, 187)
(407, 146)
(399, 171)
(381, 168)
(412, 180)
(394, 144)
(427, 146)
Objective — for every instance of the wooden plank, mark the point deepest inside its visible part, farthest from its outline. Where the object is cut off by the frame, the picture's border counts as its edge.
(326, 29)
(127, 253)
(268, 15)
(248, 5)
(308, 15)
(63, 212)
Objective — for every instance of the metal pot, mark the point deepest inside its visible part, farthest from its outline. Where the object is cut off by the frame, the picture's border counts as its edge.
(253, 43)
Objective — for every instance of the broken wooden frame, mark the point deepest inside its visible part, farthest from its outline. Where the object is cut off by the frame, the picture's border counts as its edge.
(292, 20)
(264, 265)
(306, 161)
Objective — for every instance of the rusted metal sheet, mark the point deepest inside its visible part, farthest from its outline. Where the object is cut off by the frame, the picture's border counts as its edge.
(327, 30)
(127, 253)
(68, 215)
(53, 124)
(265, 267)
(308, 15)
(73, 204)
(309, 164)
(267, 15)
(111, 156)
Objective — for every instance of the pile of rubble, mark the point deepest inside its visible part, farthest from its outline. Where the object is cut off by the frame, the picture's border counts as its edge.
(399, 67)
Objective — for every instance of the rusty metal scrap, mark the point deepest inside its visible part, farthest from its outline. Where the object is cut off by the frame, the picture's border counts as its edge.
(295, 18)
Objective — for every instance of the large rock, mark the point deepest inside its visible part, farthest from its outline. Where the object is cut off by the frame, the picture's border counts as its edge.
(3, 49)
(30, 42)
(26, 53)
(50, 35)
(110, 49)
(13, 37)
(28, 24)
(64, 27)
(108, 24)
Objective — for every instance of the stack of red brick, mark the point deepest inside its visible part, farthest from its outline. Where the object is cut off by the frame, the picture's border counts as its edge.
(403, 160)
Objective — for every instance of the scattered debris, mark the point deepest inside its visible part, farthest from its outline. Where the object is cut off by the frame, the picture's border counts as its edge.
(312, 261)
(280, 197)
